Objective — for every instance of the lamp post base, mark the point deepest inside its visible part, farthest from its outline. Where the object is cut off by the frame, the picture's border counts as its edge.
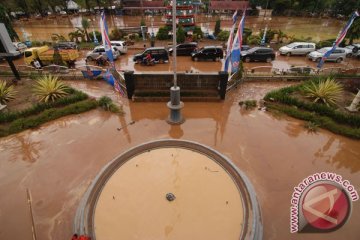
(175, 106)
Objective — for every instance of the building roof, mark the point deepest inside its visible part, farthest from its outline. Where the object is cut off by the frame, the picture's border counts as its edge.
(228, 5)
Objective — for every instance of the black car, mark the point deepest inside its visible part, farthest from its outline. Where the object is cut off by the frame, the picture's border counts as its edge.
(159, 54)
(184, 49)
(66, 45)
(258, 54)
(208, 52)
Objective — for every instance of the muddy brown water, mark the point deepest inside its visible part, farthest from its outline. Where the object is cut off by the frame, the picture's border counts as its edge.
(58, 161)
(207, 204)
(316, 28)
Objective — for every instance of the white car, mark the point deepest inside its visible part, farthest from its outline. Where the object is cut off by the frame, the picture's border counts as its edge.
(297, 48)
(100, 50)
(20, 47)
(350, 49)
(120, 46)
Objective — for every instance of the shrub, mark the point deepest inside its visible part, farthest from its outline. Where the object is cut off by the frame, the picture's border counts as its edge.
(223, 35)
(49, 88)
(98, 36)
(116, 34)
(7, 93)
(107, 104)
(163, 33)
(248, 104)
(254, 40)
(48, 115)
(284, 96)
(328, 91)
(198, 32)
(180, 35)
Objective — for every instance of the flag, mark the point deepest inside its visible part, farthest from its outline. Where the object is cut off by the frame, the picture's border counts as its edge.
(236, 48)
(230, 42)
(264, 37)
(339, 39)
(106, 39)
(118, 87)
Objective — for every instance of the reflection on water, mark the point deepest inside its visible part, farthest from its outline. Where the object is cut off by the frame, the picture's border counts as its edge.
(275, 151)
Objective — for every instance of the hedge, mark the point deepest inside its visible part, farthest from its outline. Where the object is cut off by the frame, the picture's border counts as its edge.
(75, 96)
(24, 123)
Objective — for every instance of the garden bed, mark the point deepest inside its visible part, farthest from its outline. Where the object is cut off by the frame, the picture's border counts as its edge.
(26, 112)
(292, 102)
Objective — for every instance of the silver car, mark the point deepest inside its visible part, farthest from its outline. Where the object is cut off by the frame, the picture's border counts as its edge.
(297, 48)
(352, 50)
(338, 55)
(100, 50)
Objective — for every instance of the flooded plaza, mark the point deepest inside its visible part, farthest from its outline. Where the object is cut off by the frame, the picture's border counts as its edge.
(58, 161)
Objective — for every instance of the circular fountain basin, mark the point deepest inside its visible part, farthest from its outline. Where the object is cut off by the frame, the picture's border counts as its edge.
(170, 190)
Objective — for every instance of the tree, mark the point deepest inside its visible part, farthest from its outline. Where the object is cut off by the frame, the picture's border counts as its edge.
(4, 18)
(86, 25)
(142, 22)
(217, 27)
(57, 59)
(180, 35)
(354, 31)
(38, 5)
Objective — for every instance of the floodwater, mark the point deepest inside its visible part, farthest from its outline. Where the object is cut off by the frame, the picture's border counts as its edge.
(316, 28)
(133, 204)
(58, 161)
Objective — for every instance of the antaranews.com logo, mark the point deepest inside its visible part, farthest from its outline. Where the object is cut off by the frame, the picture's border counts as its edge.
(322, 202)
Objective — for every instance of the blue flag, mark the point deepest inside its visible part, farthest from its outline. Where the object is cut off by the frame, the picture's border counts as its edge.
(236, 49)
(339, 39)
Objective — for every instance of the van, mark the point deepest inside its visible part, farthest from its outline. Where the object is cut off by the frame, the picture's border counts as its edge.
(297, 48)
(120, 46)
(214, 53)
(159, 54)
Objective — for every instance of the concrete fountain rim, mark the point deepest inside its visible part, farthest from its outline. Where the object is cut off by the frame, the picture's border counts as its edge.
(252, 228)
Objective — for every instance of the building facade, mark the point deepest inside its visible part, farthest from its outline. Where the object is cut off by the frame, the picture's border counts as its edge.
(184, 14)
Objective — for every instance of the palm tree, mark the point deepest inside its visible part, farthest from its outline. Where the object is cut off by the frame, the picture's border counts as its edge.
(86, 25)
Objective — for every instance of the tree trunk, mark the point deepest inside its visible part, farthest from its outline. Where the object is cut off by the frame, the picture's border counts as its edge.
(355, 103)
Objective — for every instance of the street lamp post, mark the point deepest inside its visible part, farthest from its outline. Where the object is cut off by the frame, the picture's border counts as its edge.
(174, 104)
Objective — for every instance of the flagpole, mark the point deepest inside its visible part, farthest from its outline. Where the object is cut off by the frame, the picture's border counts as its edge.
(174, 104)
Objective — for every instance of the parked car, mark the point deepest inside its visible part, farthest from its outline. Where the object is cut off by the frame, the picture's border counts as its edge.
(120, 46)
(159, 54)
(258, 54)
(100, 51)
(352, 50)
(66, 45)
(297, 48)
(184, 49)
(20, 47)
(214, 53)
(245, 47)
(337, 55)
